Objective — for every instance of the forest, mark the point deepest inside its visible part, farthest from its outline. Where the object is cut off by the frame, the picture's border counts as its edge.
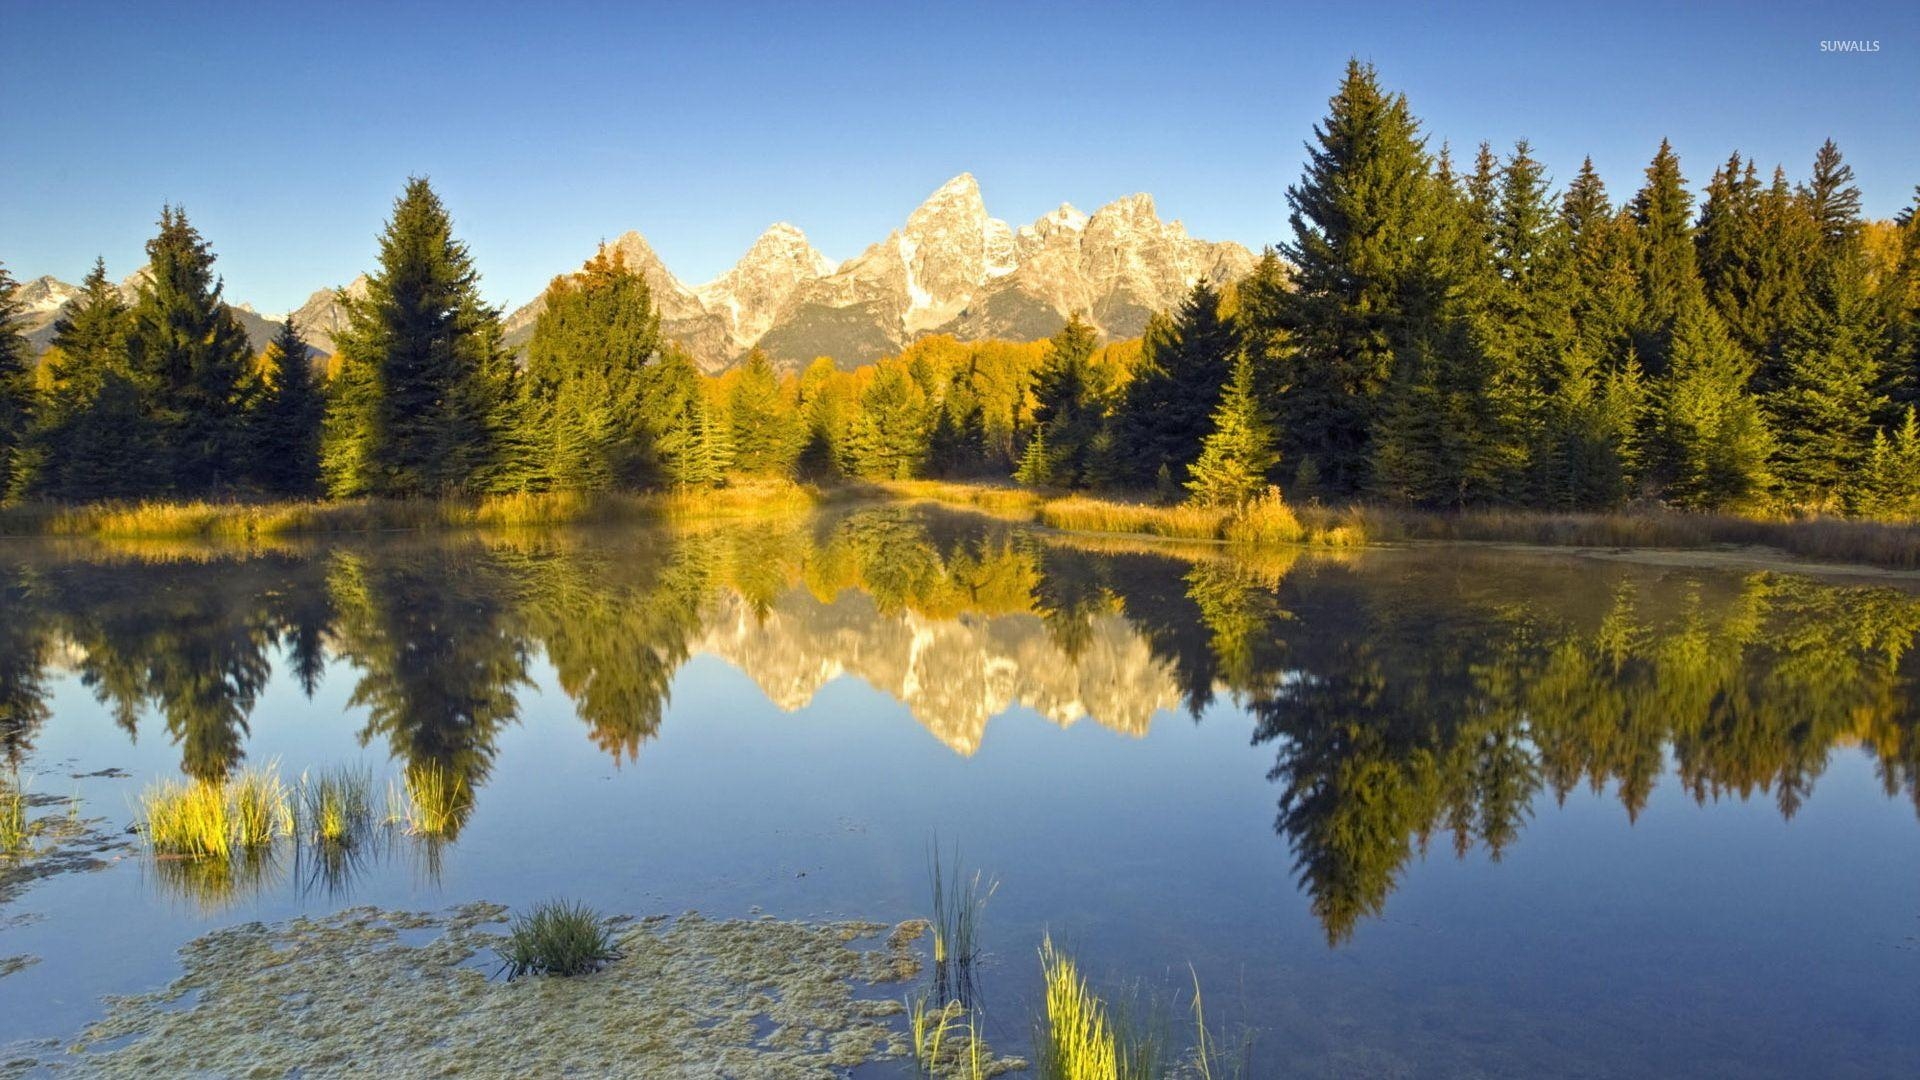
(1436, 332)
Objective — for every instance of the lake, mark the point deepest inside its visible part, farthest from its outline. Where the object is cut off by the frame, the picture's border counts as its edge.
(1436, 811)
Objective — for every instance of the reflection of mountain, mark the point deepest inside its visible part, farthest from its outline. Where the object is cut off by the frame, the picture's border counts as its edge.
(953, 675)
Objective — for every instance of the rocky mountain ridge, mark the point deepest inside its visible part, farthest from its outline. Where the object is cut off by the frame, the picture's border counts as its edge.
(951, 268)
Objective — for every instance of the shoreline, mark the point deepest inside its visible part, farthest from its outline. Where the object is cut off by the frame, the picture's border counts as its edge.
(1833, 546)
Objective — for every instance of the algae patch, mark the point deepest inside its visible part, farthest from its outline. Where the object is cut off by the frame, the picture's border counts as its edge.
(365, 991)
(11, 964)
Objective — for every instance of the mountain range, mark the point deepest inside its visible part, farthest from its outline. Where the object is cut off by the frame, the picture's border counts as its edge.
(950, 269)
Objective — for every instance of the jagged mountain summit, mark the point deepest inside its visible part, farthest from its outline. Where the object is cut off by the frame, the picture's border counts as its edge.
(951, 268)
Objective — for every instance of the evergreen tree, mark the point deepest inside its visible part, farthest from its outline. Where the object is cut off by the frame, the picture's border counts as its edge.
(1669, 277)
(424, 379)
(192, 360)
(581, 418)
(1713, 441)
(17, 393)
(1832, 393)
(1603, 279)
(1238, 454)
(889, 436)
(1167, 407)
(286, 453)
(765, 434)
(1360, 217)
(93, 439)
(1890, 487)
(1068, 394)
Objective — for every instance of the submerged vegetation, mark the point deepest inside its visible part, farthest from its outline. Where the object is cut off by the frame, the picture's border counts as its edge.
(557, 937)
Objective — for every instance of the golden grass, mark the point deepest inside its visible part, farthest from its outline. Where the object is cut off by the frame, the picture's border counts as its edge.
(432, 802)
(336, 806)
(1076, 1041)
(1265, 521)
(1894, 545)
(16, 833)
(250, 522)
(215, 819)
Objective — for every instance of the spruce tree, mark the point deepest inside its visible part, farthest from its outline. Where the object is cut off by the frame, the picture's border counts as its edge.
(1712, 439)
(1667, 264)
(193, 361)
(1890, 487)
(424, 379)
(581, 415)
(1068, 396)
(286, 448)
(765, 428)
(1359, 216)
(93, 438)
(890, 433)
(1167, 407)
(1238, 454)
(17, 393)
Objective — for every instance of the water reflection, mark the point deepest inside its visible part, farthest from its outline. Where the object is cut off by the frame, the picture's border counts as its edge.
(1405, 696)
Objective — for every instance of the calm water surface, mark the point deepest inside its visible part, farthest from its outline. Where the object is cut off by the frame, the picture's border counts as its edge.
(1433, 812)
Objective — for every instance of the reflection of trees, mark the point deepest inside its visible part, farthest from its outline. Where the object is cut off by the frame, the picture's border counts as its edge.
(1440, 704)
(616, 626)
(188, 638)
(430, 633)
(24, 645)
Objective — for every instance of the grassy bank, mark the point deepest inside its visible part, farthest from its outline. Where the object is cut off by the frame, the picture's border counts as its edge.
(247, 521)
(1891, 545)
(1265, 521)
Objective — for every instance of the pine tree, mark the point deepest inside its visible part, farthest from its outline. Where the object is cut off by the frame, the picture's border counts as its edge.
(1166, 409)
(581, 411)
(424, 379)
(889, 436)
(17, 394)
(192, 360)
(1891, 485)
(1237, 456)
(1669, 277)
(1068, 394)
(1712, 438)
(94, 439)
(1829, 396)
(1359, 216)
(286, 453)
(766, 434)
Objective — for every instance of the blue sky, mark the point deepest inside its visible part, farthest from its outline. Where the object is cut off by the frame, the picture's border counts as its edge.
(286, 130)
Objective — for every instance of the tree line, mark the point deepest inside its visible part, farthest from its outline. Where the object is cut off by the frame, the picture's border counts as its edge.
(1433, 333)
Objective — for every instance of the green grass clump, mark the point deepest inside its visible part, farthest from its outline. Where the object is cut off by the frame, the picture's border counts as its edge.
(215, 819)
(433, 801)
(1075, 1040)
(189, 818)
(947, 1043)
(336, 806)
(16, 833)
(557, 938)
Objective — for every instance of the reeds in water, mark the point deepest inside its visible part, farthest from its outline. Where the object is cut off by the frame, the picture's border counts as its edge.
(433, 801)
(215, 819)
(336, 806)
(16, 833)
(958, 901)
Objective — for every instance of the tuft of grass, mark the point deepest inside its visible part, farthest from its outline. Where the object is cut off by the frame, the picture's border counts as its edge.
(958, 901)
(336, 806)
(214, 819)
(433, 801)
(1075, 1039)
(947, 1042)
(188, 818)
(557, 937)
(16, 833)
(261, 808)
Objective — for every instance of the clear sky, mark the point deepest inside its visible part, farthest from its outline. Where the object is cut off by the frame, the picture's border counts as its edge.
(287, 129)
